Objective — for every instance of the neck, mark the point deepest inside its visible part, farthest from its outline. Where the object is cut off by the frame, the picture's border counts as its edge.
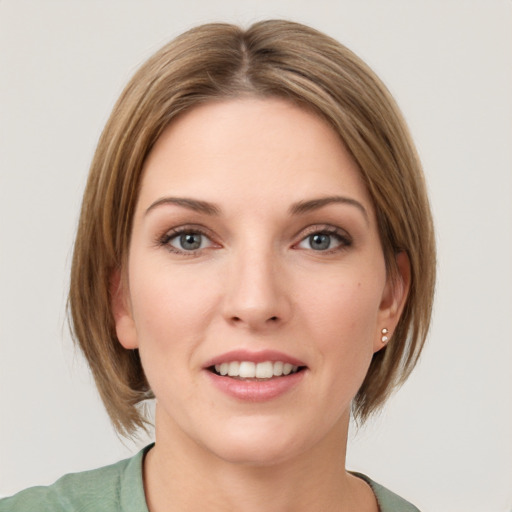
(180, 472)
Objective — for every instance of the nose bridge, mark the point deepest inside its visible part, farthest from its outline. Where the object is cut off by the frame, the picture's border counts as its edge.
(256, 295)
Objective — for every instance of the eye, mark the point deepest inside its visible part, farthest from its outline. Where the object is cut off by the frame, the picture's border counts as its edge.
(186, 241)
(325, 240)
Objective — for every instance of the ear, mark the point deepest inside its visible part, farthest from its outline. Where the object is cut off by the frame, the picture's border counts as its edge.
(393, 300)
(121, 309)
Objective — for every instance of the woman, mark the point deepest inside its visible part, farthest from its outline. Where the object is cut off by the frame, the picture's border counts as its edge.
(256, 251)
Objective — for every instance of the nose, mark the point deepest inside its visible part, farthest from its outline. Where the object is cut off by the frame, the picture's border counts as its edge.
(257, 292)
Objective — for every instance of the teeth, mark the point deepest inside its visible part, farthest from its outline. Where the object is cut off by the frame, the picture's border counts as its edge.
(264, 370)
(234, 369)
(278, 368)
(247, 370)
(250, 370)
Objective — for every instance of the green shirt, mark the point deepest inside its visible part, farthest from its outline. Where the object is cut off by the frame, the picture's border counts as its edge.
(119, 488)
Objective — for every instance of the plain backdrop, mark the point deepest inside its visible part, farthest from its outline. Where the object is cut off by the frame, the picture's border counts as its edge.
(445, 439)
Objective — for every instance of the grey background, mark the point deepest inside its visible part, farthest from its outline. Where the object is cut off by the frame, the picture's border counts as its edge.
(444, 441)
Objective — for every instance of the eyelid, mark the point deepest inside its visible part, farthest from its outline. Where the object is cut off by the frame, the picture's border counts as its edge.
(323, 228)
(169, 234)
(163, 239)
(328, 229)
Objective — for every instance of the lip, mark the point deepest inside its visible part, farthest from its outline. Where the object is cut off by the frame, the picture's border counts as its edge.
(255, 390)
(254, 357)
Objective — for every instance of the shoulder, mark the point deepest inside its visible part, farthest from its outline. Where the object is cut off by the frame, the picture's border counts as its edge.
(112, 488)
(388, 501)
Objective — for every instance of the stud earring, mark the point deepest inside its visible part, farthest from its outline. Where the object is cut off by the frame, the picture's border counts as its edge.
(384, 338)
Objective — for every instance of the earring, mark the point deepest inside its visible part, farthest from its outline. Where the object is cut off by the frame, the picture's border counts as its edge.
(384, 338)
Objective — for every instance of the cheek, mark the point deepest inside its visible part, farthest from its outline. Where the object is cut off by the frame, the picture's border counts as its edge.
(343, 305)
(342, 318)
(167, 302)
(170, 311)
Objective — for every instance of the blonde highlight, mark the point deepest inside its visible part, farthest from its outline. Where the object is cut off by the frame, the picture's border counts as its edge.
(214, 61)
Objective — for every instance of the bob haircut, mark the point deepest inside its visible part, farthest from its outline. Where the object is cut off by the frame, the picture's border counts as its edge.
(221, 61)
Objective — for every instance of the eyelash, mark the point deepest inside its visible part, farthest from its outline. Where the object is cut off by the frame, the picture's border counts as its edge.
(343, 238)
(165, 240)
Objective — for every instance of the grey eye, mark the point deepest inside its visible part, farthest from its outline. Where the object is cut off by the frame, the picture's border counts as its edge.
(320, 241)
(189, 241)
(324, 241)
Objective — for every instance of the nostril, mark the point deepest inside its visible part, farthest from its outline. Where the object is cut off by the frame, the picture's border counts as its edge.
(254, 320)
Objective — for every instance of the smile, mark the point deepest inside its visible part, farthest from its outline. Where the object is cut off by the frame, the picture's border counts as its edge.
(251, 370)
(255, 376)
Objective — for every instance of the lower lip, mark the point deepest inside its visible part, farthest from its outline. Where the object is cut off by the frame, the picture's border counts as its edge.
(256, 391)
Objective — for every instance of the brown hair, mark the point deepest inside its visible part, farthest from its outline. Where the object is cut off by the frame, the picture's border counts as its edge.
(270, 59)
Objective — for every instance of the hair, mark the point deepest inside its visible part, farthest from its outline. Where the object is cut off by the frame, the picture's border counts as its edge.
(221, 61)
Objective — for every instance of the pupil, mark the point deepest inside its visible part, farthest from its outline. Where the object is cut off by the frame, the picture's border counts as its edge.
(190, 241)
(320, 241)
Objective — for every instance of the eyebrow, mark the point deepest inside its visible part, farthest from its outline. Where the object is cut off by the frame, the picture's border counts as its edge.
(298, 208)
(314, 204)
(191, 204)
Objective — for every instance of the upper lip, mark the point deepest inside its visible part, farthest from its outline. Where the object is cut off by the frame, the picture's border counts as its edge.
(259, 356)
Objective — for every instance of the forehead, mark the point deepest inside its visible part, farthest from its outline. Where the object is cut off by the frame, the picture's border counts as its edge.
(257, 149)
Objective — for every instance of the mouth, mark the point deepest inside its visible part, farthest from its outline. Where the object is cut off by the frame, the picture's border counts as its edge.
(251, 371)
(255, 376)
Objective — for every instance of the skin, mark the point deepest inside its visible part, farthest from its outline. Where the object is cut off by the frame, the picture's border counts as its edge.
(257, 282)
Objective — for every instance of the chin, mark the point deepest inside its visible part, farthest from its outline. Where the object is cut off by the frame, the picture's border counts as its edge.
(249, 454)
(260, 444)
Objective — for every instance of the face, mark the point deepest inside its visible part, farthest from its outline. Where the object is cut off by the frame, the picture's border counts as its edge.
(256, 286)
